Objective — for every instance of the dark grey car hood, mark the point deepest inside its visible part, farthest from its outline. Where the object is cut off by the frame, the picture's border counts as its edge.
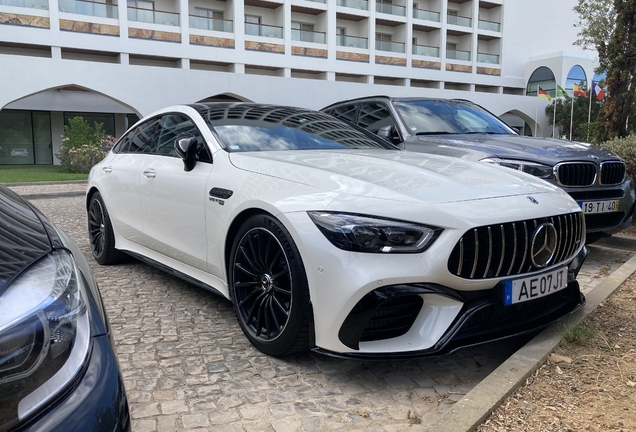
(479, 146)
(25, 236)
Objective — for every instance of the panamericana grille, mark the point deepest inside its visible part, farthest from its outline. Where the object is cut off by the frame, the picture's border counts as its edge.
(576, 173)
(504, 249)
(612, 173)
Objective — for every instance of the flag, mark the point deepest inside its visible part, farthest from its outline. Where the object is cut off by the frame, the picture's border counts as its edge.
(598, 91)
(561, 93)
(578, 91)
(542, 94)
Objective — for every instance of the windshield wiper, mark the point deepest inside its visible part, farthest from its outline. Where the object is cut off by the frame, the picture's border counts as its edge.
(483, 133)
(437, 133)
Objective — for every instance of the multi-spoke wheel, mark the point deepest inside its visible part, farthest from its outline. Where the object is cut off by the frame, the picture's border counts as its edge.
(100, 232)
(269, 287)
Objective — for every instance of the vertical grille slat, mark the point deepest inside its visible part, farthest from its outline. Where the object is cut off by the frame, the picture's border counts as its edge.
(503, 250)
(490, 247)
(472, 273)
(489, 253)
(514, 248)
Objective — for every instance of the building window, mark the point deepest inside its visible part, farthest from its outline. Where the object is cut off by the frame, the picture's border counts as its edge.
(25, 138)
(302, 31)
(107, 120)
(214, 19)
(253, 25)
(143, 10)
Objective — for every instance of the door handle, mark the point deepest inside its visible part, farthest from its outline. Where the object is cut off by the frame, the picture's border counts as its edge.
(107, 170)
(150, 173)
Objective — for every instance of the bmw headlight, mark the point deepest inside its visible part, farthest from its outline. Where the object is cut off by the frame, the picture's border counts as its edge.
(44, 335)
(358, 233)
(536, 169)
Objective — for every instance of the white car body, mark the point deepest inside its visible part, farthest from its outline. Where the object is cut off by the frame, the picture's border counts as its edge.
(160, 212)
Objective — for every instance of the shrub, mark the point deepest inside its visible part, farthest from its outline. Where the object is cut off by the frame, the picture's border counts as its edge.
(82, 145)
(626, 149)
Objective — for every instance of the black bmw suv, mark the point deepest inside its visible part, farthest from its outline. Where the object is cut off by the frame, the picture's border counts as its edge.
(594, 177)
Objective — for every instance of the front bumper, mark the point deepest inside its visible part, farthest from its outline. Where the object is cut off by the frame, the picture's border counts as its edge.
(95, 401)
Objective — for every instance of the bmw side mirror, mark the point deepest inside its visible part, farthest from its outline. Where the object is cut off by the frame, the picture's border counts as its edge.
(186, 147)
(386, 132)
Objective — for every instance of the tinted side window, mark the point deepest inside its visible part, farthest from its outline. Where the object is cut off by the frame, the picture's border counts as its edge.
(344, 112)
(143, 139)
(124, 142)
(173, 125)
(374, 115)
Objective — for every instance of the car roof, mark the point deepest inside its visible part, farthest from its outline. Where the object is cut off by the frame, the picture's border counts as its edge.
(394, 99)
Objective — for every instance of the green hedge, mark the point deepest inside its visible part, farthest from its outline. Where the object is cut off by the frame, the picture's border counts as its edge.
(626, 149)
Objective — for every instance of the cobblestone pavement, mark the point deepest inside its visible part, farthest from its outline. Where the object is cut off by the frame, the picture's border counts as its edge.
(187, 365)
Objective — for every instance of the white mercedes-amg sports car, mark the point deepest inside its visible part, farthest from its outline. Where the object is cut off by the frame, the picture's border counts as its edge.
(326, 237)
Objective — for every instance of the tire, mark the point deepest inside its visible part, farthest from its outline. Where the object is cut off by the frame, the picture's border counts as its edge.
(100, 233)
(269, 288)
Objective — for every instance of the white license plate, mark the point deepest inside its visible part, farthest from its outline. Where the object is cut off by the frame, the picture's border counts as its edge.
(599, 206)
(533, 287)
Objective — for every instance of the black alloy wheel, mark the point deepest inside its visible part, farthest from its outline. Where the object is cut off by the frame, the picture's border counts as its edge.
(269, 288)
(100, 232)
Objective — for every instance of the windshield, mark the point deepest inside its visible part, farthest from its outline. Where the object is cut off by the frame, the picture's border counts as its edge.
(244, 127)
(431, 117)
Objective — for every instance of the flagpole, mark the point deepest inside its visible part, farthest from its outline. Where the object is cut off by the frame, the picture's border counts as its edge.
(589, 112)
(554, 115)
(536, 116)
(571, 116)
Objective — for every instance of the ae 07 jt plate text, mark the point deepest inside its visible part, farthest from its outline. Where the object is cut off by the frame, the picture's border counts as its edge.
(533, 287)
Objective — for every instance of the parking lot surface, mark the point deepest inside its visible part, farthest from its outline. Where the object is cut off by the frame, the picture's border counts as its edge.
(187, 365)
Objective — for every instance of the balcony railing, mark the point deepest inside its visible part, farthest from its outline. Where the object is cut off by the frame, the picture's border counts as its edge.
(352, 41)
(487, 58)
(426, 15)
(153, 16)
(263, 30)
(355, 4)
(308, 36)
(489, 25)
(459, 21)
(397, 47)
(424, 50)
(85, 7)
(318, 1)
(390, 9)
(33, 4)
(205, 23)
(458, 55)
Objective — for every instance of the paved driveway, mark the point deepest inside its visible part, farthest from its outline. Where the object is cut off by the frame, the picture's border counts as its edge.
(187, 365)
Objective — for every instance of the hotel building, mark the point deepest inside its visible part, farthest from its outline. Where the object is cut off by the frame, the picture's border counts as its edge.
(113, 61)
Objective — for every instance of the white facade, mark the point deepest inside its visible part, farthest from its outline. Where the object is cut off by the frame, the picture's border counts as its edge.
(142, 56)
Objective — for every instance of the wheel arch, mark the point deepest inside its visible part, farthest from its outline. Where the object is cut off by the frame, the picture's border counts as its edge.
(89, 195)
(239, 219)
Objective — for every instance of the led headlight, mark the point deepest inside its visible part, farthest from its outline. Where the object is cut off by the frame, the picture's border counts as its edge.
(358, 233)
(536, 169)
(44, 335)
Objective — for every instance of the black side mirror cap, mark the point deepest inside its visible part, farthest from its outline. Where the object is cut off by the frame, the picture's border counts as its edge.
(186, 147)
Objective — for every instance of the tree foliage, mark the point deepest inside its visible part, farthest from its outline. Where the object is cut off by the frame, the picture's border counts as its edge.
(82, 145)
(608, 26)
(619, 60)
(597, 19)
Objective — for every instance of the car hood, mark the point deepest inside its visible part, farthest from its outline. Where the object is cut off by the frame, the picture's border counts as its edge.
(24, 238)
(547, 151)
(397, 175)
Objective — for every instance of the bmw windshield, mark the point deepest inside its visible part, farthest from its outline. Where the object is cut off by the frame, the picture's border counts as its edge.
(433, 117)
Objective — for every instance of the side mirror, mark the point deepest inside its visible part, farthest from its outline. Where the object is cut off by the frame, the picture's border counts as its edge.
(186, 147)
(386, 132)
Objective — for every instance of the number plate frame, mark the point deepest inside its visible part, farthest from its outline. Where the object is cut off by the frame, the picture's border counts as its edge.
(537, 286)
(594, 207)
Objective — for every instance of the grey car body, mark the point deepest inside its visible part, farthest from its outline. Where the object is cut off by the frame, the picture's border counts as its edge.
(593, 176)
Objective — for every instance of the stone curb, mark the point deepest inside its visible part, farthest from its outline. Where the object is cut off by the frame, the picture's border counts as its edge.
(44, 183)
(473, 409)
